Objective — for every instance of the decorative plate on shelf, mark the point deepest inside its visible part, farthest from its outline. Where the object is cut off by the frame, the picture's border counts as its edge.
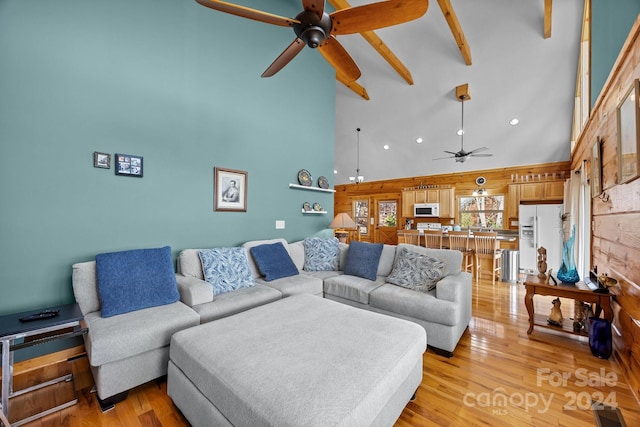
(304, 178)
(323, 182)
(317, 207)
(306, 206)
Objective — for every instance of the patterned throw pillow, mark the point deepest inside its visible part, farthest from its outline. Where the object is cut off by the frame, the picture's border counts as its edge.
(415, 271)
(226, 269)
(320, 254)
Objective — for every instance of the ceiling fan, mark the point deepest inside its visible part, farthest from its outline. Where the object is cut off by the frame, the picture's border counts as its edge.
(462, 93)
(317, 29)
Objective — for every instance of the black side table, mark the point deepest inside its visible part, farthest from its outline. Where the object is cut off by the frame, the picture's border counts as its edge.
(12, 334)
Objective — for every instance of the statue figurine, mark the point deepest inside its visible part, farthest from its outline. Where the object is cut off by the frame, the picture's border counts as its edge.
(555, 317)
(542, 262)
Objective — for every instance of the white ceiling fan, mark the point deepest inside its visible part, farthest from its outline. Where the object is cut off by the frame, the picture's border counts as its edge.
(462, 93)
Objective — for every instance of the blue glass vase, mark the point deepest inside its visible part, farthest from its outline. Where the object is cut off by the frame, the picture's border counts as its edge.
(567, 272)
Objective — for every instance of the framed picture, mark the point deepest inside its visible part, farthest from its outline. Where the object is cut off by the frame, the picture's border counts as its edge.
(628, 134)
(230, 190)
(101, 160)
(596, 169)
(128, 165)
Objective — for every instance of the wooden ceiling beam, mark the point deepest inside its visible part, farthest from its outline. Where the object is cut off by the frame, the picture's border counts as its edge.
(456, 29)
(547, 18)
(380, 47)
(355, 87)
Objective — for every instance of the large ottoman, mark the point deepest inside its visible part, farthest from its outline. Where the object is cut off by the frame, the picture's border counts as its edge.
(300, 361)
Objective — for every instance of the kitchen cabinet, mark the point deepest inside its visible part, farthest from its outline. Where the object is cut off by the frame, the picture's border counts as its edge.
(513, 200)
(539, 191)
(444, 196)
(447, 203)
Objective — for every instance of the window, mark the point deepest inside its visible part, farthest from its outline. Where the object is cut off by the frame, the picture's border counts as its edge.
(387, 213)
(361, 215)
(481, 211)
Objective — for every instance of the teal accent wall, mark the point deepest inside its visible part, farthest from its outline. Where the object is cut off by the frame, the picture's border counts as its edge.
(174, 82)
(611, 21)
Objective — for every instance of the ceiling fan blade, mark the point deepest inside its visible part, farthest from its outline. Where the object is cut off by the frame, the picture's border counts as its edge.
(316, 6)
(441, 158)
(481, 155)
(450, 152)
(477, 150)
(246, 12)
(372, 16)
(285, 57)
(339, 58)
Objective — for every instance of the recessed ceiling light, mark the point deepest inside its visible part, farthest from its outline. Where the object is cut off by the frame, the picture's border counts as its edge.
(419, 140)
(335, 171)
(460, 132)
(514, 121)
(385, 146)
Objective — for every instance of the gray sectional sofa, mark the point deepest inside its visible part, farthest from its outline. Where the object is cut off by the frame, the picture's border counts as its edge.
(444, 312)
(129, 349)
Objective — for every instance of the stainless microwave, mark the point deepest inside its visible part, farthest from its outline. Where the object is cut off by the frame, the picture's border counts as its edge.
(426, 210)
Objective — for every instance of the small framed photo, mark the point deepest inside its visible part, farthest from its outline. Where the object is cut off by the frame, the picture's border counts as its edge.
(128, 165)
(229, 190)
(101, 160)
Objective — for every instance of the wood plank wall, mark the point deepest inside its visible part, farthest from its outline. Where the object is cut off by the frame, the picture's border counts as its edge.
(615, 247)
(464, 183)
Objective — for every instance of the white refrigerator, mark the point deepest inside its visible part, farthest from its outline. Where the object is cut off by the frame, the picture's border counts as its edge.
(540, 225)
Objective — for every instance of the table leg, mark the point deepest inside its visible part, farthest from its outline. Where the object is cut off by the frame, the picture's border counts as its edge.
(7, 375)
(605, 303)
(528, 302)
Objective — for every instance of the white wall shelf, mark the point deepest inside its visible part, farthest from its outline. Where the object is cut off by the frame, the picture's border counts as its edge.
(313, 212)
(304, 187)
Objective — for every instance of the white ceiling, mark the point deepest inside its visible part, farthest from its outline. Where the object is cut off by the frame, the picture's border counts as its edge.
(515, 73)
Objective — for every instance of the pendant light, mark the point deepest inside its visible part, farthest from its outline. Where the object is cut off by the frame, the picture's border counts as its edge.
(357, 178)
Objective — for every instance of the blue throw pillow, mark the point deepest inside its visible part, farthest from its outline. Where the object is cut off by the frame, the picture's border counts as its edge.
(321, 254)
(226, 269)
(363, 259)
(273, 261)
(135, 279)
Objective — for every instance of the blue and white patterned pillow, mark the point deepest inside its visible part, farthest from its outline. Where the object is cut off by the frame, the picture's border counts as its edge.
(226, 269)
(416, 271)
(320, 254)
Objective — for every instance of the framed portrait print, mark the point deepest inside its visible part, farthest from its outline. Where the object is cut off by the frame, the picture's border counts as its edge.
(101, 160)
(229, 190)
(596, 169)
(628, 134)
(128, 165)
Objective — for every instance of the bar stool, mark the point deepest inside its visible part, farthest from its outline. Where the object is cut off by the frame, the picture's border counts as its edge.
(433, 239)
(459, 241)
(486, 244)
(411, 237)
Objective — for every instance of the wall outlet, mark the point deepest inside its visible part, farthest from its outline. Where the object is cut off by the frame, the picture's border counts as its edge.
(279, 224)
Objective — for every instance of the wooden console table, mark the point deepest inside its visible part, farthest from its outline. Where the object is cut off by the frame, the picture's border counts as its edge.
(12, 336)
(579, 292)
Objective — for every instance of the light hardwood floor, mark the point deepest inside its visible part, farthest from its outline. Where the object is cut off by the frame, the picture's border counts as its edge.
(499, 376)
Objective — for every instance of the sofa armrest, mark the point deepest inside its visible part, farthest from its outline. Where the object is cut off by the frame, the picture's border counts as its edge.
(454, 287)
(193, 291)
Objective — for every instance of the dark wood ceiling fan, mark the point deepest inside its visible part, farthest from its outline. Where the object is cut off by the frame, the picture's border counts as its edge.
(317, 29)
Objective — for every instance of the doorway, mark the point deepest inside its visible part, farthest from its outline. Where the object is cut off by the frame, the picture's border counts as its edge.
(385, 217)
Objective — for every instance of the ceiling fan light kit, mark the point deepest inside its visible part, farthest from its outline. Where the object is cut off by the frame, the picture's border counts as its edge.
(462, 94)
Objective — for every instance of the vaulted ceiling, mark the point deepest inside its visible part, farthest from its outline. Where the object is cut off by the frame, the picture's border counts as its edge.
(514, 72)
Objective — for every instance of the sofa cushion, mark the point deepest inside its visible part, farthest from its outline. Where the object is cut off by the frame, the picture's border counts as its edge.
(135, 279)
(320, 254)
(363, 259)
(226, 269)
(418, 305)
(415, 271)
(296, 251)
(387, 258)
(300, 284)
(273, 261)
(255, 272)
(119, 337)
(229, 303)
(189, 263)
(351, 288)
